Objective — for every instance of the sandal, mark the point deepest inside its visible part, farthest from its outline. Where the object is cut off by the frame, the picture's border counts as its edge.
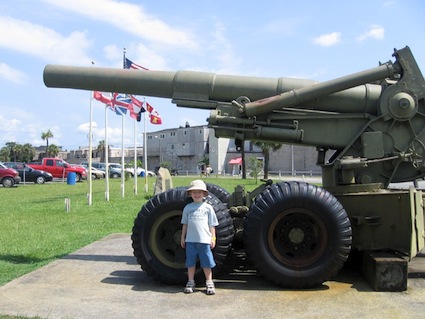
(210, 288)
(190, 286)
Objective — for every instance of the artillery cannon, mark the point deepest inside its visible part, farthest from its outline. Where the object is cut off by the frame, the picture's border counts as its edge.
(369, 131)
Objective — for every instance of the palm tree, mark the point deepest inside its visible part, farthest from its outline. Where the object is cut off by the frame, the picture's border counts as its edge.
(12, 146)
(45, 136)
(5, 154)
(53, 150)
(28, 153)
(266, 147)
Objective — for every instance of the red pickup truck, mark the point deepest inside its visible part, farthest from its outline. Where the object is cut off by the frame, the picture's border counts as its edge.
(59, 168)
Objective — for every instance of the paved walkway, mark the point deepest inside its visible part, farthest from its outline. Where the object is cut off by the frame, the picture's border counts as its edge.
(102, 280)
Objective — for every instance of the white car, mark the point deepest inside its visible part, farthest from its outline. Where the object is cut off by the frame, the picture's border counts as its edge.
(95, 173)
(139, 170)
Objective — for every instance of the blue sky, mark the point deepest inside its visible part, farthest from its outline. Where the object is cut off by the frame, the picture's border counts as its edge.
(318, 40)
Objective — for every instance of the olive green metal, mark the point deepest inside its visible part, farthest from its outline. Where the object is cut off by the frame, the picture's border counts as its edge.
(374, 117)
(202, 89)
(302, 95)
(368, 128)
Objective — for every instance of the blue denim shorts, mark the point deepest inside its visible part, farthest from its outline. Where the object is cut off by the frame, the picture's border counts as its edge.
(203, 251)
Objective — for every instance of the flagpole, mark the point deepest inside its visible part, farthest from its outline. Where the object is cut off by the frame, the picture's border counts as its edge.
(135, 157)
(145, 152)
(106, 155)
(122, 156)
(89, 177)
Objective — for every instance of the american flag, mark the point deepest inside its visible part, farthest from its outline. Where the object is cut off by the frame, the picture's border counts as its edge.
(134, 113)
(128, 64)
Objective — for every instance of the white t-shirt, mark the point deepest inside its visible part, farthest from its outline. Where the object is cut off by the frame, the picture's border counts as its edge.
(199, 217)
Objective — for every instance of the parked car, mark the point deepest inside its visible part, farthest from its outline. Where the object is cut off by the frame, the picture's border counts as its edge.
(29, 174)
(8, 176)
(95, 172)
(139, 170)
(100, 166)
(114, 172)
(59, 168)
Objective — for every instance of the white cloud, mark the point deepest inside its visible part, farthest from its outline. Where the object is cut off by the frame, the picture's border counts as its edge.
(375, 32)
(329, 39)
(389, 3)
(131, 18)
(84, 128)
(9, 125)
(98, 134)
(222, 50)
(12, 74)
(43, 42)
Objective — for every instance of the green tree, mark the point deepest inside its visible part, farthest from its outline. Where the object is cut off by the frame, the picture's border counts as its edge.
(12, 146)
(28, 153)
(5, 154)
(166, 165)
(53, 150)
(45, 136)
(17, 153)
(255, 166)
(266, 147)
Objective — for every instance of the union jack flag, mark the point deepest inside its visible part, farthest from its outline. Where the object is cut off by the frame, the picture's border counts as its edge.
(119, 103)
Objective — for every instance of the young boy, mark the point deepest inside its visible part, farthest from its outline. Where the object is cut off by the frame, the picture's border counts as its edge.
(198, 235)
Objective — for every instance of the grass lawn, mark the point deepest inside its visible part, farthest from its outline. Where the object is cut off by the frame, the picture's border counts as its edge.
(35, 228)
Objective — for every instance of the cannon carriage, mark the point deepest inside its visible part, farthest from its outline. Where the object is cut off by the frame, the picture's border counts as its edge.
(369, 131)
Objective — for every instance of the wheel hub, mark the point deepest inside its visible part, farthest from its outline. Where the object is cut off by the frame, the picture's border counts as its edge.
(297, 237)
(165, 240)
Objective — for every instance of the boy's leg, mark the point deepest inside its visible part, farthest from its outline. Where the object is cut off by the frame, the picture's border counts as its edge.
(209, 282)
(191, 267)
(208, 274)
(191, 273)
(190, 286)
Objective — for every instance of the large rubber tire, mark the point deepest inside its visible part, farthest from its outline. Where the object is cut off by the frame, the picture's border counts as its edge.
(297, 235)
(219, 192)
(157, 230)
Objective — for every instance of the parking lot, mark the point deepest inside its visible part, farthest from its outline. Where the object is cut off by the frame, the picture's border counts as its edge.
(102, 280)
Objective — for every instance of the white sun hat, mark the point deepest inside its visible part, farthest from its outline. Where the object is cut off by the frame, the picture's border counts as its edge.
(197, 185)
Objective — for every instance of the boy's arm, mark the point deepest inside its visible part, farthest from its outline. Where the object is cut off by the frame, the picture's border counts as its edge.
(213, 238)
(183, 236)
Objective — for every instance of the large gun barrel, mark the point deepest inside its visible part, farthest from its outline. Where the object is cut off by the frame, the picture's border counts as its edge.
(196, 89)
(306, 94)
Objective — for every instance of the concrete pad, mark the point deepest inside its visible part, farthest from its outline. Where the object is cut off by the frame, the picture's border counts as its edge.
(103, 280)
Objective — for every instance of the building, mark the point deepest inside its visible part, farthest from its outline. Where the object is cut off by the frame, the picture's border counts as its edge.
(188, 148)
